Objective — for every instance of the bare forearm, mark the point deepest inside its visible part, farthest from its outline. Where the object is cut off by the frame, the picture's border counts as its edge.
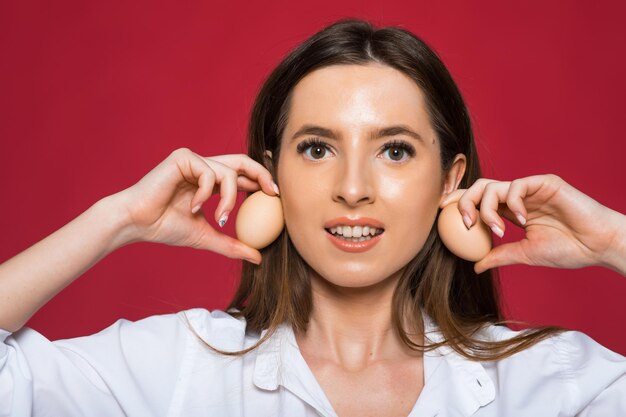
(34, 276)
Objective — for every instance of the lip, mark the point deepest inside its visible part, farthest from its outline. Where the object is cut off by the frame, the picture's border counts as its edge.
(353, 247)
(359, 221)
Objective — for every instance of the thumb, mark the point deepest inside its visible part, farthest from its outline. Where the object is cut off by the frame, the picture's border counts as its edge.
(505, 254)
(217, 242)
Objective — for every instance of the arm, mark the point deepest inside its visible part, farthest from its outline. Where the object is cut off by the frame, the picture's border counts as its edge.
(127, 369)
(34, 276)
(161, 208)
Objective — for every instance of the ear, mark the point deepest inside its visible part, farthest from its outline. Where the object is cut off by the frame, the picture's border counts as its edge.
(454, 176)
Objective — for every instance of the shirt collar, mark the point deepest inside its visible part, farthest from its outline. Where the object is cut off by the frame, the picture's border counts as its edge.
(452, 382)
(280, 363)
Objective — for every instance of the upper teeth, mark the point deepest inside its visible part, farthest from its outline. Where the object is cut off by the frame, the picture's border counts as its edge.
(354, 231)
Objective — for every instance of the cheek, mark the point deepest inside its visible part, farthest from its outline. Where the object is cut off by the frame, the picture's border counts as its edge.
(416, 227)
(299, 193)
(411, 206)
(303, 222)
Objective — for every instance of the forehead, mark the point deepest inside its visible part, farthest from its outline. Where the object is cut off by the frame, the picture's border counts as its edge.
(350, 96)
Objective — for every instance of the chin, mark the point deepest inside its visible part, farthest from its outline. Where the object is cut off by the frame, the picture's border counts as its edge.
(353, 279)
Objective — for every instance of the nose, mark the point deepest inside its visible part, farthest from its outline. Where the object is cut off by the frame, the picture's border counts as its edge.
(354, 182)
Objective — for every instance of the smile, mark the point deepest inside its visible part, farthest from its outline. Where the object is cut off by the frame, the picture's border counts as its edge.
(354, 239)
(355, 233)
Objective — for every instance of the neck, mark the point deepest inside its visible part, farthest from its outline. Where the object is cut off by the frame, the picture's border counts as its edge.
(352, 327)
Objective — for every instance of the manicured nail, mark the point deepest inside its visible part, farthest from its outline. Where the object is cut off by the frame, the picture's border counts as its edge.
(275, 188)
(497, 230)
(520, 218)
(223, 219)
(467, 221)
(196, 208)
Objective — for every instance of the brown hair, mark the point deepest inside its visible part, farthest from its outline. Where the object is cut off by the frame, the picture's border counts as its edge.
(436, 282)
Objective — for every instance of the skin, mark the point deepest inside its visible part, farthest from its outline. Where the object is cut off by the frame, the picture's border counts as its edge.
(358, 361)
(563, 227)
(349, 344)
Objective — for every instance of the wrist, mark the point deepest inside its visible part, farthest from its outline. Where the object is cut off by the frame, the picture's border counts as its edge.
(113, 210)
(614, 257)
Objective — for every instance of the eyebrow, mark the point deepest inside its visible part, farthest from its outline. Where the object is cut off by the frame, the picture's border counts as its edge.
(380, 133)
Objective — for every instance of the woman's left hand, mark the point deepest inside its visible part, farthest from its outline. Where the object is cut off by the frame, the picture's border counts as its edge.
(564, 227)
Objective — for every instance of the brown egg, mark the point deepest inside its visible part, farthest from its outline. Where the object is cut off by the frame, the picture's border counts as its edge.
(473, 244)
(259, 220)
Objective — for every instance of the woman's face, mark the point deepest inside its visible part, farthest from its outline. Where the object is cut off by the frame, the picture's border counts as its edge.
(358, 150)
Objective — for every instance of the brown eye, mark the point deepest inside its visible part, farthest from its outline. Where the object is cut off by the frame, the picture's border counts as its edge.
(396, 154)
(313, 149)
(317, 152)
(398, 151)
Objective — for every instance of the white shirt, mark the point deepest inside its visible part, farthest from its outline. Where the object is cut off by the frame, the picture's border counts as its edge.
(159, 367)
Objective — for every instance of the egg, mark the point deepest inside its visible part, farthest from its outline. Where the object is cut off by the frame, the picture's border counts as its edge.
(471, 245)
(259, 220)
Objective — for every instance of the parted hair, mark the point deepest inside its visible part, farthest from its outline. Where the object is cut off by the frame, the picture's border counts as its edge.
(436, 282)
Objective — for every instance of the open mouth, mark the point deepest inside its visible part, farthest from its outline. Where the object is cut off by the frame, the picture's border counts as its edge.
(355, 233)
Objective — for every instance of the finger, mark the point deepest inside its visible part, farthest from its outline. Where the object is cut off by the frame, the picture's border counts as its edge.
(227, 180)
(494, 193)
(452, 197)
(514, 208)
(515, 200)
(244, 165)
(524, 188)
(197, 172)
(471, 199)
(501, 255)
(245, 184)
(506, 213)
(223, 244)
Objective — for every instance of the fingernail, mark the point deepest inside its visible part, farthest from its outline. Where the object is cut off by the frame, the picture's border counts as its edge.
(275, 188)
(520, 218)
(223, 219)
(497, 230)
(467, 221)
(196, 208)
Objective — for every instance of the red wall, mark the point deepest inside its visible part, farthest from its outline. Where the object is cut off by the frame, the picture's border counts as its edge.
(94, 94)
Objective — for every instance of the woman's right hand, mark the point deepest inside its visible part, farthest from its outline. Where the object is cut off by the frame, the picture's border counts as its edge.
(163, 207)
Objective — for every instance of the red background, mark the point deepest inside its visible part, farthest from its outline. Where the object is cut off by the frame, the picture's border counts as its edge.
(93, 95)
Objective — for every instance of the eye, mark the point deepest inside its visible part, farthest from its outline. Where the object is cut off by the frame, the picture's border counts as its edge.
(313, 149)
(398, 151)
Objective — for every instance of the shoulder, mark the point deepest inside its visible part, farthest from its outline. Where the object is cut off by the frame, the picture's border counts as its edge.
(165, 334)
(218, 329)
(571, 348)
(210, 320)
(570, 365)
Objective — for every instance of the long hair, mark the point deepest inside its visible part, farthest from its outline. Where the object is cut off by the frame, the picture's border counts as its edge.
(435, 282)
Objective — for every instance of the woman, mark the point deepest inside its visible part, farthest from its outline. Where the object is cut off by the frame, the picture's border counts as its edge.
(367, 137)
